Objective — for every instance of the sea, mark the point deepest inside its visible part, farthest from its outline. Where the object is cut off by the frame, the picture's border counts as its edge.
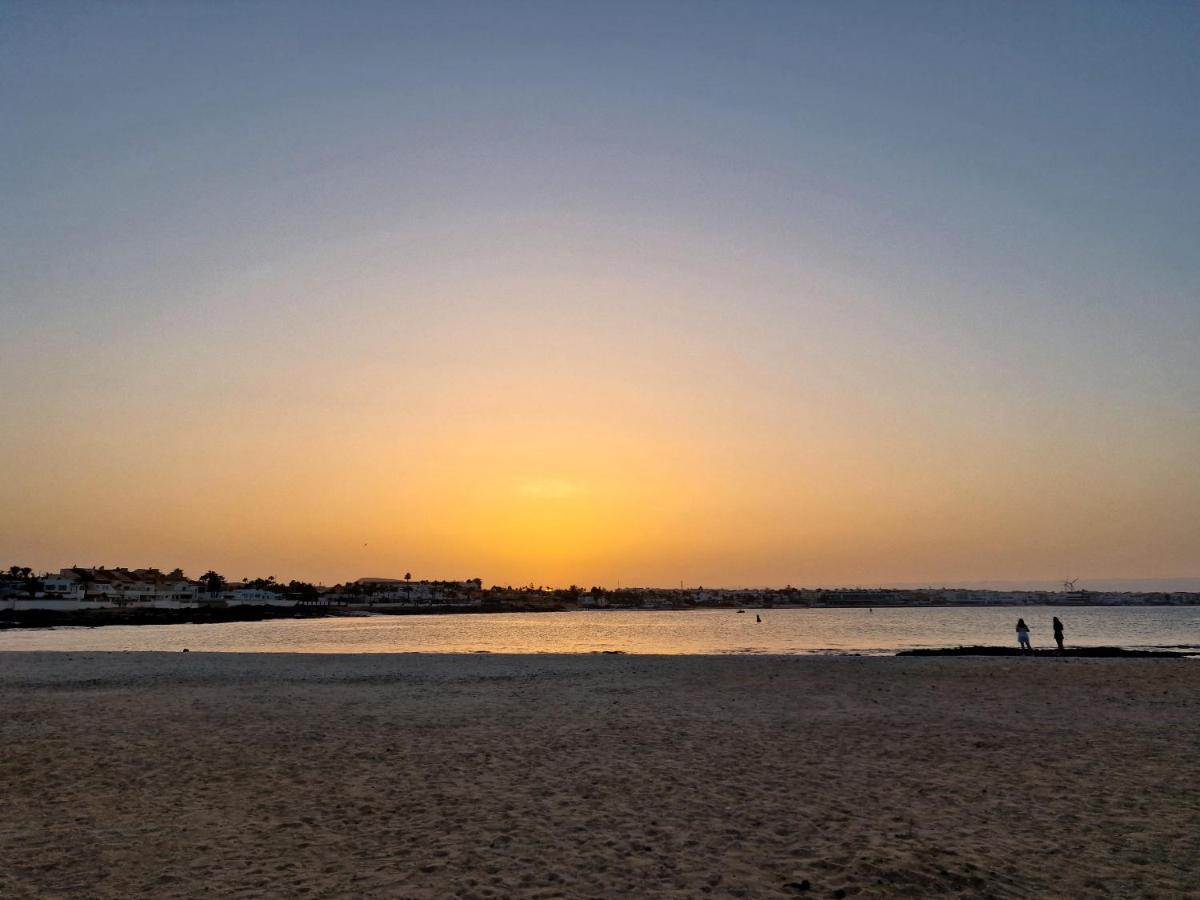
(879, 631)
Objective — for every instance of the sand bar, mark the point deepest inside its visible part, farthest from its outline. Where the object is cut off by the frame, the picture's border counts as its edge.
(272, 775)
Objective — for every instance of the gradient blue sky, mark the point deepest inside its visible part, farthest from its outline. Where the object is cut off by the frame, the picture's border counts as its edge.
(734, 293)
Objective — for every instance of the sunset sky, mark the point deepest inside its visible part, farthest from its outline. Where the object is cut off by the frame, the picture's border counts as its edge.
(738, 294)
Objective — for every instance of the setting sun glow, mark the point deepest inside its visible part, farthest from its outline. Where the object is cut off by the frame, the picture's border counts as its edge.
(595, 300)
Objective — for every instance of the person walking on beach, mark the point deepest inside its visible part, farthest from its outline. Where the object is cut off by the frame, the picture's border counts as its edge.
(1023, 635)
(1058, 634)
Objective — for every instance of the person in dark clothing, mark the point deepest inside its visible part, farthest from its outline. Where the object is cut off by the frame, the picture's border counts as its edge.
(1058, 633)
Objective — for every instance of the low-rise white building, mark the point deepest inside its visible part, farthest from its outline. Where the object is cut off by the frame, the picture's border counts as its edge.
(239, 595)
(90, 588)
(398, 592)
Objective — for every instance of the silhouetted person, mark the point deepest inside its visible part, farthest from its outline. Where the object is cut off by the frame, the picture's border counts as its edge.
(757, 617)
(1023, 635)
(1058, 634)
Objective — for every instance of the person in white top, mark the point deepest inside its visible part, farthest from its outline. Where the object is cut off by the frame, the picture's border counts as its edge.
(1023, 635)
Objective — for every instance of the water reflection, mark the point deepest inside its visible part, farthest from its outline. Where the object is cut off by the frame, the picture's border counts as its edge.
(781, 631)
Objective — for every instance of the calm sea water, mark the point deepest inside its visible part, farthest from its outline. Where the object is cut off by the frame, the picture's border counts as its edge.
(782, 631)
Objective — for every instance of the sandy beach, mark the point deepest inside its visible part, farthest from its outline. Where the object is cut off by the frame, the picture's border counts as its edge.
(175, 775)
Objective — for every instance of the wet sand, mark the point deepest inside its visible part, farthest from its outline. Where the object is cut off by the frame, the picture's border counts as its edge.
(174, 775)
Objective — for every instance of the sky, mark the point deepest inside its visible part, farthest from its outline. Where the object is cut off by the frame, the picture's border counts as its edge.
(721, 293)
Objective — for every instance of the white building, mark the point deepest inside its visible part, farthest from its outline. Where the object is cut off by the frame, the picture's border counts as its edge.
(397, 592)
(95, 588)
(240, 595)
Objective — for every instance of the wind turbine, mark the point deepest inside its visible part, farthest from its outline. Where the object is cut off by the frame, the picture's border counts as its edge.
(1069, 584)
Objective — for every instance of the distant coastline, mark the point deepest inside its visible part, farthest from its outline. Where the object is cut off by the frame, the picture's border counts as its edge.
(209, 614)
(99, 596)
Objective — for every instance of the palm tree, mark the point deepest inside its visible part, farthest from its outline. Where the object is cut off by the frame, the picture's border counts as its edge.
(212, 582)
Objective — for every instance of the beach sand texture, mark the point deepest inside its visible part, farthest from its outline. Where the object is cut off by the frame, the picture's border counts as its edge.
(181, 775)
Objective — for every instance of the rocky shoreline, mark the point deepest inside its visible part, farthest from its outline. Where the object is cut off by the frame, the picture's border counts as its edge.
(95, 618)
(208, 615)
(1076, 652)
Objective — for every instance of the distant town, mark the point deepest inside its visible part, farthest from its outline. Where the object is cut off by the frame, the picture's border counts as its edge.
(119, 590)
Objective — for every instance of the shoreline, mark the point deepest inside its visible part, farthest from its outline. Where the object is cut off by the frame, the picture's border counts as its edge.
(983, 651)
(1071, 653)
